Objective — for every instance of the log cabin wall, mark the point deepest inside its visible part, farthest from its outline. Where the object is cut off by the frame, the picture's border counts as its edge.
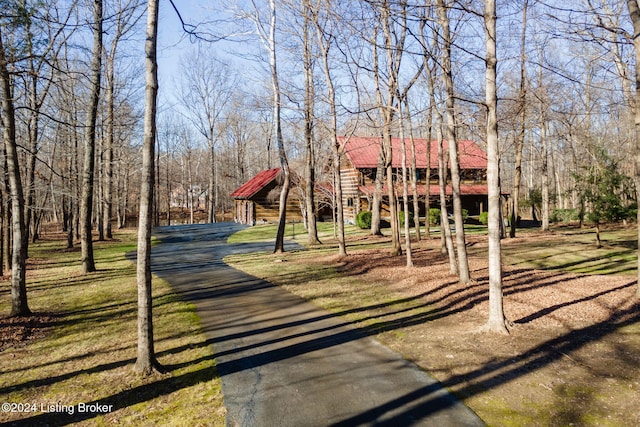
(349, 177)
(358, 175)
(266, 203)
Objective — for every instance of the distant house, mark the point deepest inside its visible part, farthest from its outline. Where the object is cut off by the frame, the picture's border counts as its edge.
(360, 162)
(257, 200)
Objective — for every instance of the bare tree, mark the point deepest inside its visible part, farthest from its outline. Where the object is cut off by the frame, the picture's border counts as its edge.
(393, 43)
(19, 306)
(634, 13)
(445, 228)
(413, 175)
(429, 55)
(309, 124)
(127, 16)
(522, 107)
(86, 209)
(41, 51)
(146, 361)
(267, 35)
(496, 322)
(326, 38)
(207, 91)
(405, 190)
(450, 130)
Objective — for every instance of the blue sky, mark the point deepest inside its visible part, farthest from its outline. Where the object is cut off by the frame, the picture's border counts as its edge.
(174, 43)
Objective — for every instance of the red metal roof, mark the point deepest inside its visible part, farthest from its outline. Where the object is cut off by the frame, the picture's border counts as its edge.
(255, 184)
(363, 152)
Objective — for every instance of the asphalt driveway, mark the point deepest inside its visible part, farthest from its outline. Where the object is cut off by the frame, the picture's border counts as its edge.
(285, 362)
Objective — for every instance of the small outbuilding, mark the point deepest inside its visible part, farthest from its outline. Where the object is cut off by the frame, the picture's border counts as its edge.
(257, 200)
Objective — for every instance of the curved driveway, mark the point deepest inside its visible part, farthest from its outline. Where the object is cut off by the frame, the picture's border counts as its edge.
(285, 362)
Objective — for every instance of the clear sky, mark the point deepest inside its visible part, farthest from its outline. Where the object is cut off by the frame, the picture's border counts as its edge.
(174, 42)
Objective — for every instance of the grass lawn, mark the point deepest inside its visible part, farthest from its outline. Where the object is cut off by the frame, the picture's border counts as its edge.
(577, 251)
(565, 363)
(81, 346)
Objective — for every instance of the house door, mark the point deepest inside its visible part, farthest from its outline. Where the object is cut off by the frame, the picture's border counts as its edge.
(249, 216)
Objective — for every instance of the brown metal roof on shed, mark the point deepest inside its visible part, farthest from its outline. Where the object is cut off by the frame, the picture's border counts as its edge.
(255, 184)
(363, 152)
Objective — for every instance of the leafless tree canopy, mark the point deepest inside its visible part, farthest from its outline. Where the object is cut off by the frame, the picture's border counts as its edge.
(250, 86)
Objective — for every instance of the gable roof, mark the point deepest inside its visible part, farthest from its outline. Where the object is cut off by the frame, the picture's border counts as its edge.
(255, 184)
(363, 152)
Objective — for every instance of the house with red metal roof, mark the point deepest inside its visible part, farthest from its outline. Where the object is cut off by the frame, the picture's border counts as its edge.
(360, 163)
(257, 200)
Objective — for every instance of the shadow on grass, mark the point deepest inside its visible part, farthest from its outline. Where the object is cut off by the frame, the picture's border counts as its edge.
(399, 313)
(496, 374)
(488, 376)
(615, 256)
(78, 279)
(548, 310)
(122, 399)
(395, 314)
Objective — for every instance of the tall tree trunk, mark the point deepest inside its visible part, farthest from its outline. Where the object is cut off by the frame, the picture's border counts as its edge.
(76, 177)
(522, 106)
(324, 43)
(430, 68)
(7, 225)
(634, 12)
(405, 194)
(32, 133)
(394, 48)
(496, 322)
(277, 121)
(310, 176)
(427, 189)
(376, 201)
(211, 206)
(146, 361)
(414, 178)
(86, 210)
(156, 189)
(19, 305)
(107, 164)
(545, 174)
(32, 130)
(396, 249)
(445, 229)
(99, 204)
(450, 130)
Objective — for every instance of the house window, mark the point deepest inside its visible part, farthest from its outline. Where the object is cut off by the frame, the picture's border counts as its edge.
(350, 202)
(367, 175)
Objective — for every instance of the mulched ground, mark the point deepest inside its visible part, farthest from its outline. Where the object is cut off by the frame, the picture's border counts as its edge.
(16, 331)
(572, 356)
